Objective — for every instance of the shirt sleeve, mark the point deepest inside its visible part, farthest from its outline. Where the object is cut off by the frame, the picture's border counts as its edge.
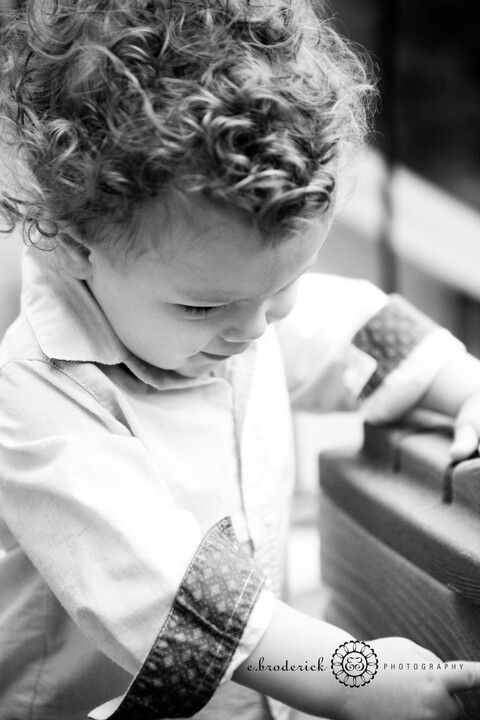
(409, 350)
(347, 345)
(91, 510)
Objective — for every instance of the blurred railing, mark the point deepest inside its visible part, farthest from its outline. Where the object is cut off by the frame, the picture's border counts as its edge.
(413, 225)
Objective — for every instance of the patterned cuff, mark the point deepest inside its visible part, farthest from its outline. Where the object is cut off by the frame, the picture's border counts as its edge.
(390, 336)
(200, 636)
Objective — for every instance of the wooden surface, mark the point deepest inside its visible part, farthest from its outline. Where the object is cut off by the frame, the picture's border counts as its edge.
(442, 539)
(401, 541)
(430, 432)
(376, 592)
(466, 486)
(395, 489)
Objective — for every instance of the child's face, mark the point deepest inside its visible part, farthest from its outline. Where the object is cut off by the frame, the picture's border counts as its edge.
(204, 290)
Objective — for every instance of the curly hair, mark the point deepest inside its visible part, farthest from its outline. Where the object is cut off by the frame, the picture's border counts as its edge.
(251, 104)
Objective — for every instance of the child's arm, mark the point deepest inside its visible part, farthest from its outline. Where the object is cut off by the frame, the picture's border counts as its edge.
(346, 339)
(456, 392)
(407, 694)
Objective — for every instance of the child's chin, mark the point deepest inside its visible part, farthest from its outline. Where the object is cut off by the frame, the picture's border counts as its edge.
(196, 365)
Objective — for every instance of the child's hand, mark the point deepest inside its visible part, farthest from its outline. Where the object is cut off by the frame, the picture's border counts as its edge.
(410, 692)
(466, 438)
(456, 392)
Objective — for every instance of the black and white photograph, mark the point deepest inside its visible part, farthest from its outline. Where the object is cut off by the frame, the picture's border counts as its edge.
(239, 359)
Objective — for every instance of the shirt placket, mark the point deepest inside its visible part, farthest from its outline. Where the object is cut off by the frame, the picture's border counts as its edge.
(252, 466)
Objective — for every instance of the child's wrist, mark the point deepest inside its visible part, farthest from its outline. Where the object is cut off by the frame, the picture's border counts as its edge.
(292, 663)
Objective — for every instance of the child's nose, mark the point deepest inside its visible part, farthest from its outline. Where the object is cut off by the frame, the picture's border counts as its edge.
(248, 324)
(252, 319)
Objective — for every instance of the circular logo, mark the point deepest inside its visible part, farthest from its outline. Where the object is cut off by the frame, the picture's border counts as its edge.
(354, 663)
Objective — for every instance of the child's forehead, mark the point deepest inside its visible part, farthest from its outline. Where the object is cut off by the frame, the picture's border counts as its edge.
(188, 225)
(224, 272)
(178, 215)
(212, 256)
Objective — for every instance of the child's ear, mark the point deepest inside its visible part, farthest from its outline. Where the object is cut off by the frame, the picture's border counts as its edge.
(75, 257)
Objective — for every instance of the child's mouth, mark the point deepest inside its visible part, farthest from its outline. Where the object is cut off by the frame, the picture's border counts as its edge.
(213, 356)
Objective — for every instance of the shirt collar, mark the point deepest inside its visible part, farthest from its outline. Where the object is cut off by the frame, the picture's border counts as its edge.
(66, 319)
(69, 325)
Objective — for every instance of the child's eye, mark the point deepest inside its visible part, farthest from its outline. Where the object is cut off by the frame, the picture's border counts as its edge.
(198, 311)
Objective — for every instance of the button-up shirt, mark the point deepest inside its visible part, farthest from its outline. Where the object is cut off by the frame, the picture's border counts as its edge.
(144, 515)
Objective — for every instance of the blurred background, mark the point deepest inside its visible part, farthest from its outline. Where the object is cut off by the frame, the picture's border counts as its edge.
(417, 210)
(412, 224)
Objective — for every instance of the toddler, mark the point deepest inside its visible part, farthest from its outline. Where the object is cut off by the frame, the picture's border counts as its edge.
(177, 170)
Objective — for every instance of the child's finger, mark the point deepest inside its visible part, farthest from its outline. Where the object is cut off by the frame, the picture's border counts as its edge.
(461, 676)
(465, 442)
